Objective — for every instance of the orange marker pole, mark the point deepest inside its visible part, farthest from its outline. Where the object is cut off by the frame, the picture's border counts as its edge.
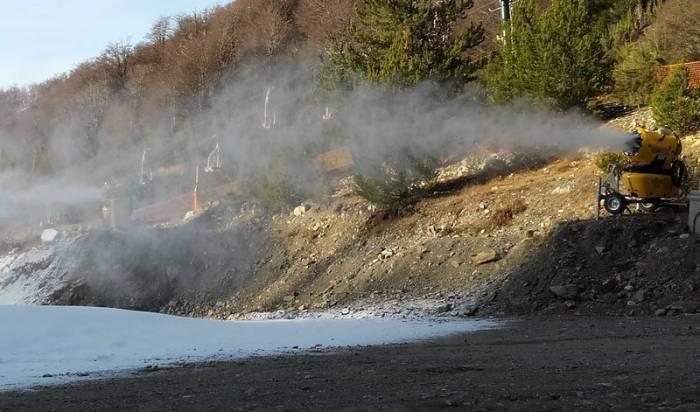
(195, 199)
(195, 202)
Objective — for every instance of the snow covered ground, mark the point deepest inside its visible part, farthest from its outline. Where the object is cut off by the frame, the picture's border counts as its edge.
(32, 276)
(43, 345)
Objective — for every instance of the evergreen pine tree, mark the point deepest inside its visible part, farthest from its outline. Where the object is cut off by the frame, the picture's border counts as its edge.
(399, 44)
(553, 55)
(675, 105)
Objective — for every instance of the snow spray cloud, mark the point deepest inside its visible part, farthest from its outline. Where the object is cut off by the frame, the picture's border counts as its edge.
(266, 114)
(25, 200)
(264, 119)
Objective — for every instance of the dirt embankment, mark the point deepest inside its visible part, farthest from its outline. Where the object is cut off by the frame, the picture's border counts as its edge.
(511, 241)
(521, 243)
(636, 265)
(453, 244)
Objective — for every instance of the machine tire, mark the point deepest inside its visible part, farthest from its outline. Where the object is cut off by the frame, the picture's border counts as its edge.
(614, 203)
(678, 173)
(648, 207)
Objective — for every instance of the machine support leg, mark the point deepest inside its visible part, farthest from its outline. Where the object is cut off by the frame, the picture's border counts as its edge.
(597, 199)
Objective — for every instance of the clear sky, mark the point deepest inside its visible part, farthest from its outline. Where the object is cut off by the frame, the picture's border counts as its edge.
(41, 38)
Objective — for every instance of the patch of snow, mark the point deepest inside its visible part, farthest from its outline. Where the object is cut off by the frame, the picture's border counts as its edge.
(43, 345)
(49, 235)
(405, 309)
(31, 277)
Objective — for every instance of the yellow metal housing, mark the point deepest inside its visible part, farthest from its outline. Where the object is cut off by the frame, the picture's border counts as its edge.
(649, 185)
(658, 149)
(651, 166)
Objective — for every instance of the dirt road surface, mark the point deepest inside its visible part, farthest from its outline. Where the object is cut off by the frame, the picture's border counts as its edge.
(586, 364)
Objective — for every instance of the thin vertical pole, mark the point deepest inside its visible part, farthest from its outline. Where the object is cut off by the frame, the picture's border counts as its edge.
(505, 10)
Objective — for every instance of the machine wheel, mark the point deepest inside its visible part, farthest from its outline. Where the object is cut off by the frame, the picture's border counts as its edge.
(615, 203)
(678, 173)
(648, 207)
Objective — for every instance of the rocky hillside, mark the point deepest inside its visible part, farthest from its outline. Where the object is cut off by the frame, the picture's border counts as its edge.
(645, 264)
(500, 234)
(454, 241)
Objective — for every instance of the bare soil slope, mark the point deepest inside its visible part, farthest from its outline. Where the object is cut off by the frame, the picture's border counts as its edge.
(501, 234)
(636, 265)
(456, 241)
(491, 241)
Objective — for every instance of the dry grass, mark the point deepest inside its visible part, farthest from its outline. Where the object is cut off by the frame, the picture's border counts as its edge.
(302, 232)
(500, 217)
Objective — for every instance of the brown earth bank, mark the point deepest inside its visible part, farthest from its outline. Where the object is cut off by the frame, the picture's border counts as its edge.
(505, 239)
(501, 233)
(644, 264)
(507, 235)
(552, 363)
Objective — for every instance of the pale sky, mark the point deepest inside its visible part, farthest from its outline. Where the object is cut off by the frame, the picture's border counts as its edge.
(42, 38)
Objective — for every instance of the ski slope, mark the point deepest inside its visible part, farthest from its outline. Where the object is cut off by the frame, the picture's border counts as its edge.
(44, 345)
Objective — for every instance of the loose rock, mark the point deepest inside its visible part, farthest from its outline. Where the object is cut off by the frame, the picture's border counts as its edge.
(300, 210)
(485, 257)
(569, 292)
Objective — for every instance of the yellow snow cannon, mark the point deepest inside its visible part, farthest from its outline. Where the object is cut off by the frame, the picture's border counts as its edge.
(654, 176)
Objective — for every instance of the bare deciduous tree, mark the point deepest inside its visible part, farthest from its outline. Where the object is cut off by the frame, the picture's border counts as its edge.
(324, 21)
(160, 32)
(116, 62)
(179, 67)
(677, 30)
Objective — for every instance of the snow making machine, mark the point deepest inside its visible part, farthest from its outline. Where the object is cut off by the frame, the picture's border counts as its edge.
(654, 176)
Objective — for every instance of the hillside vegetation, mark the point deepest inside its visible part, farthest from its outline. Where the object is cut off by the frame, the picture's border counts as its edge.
(132, 91)
(446, 199)
(197, 76)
